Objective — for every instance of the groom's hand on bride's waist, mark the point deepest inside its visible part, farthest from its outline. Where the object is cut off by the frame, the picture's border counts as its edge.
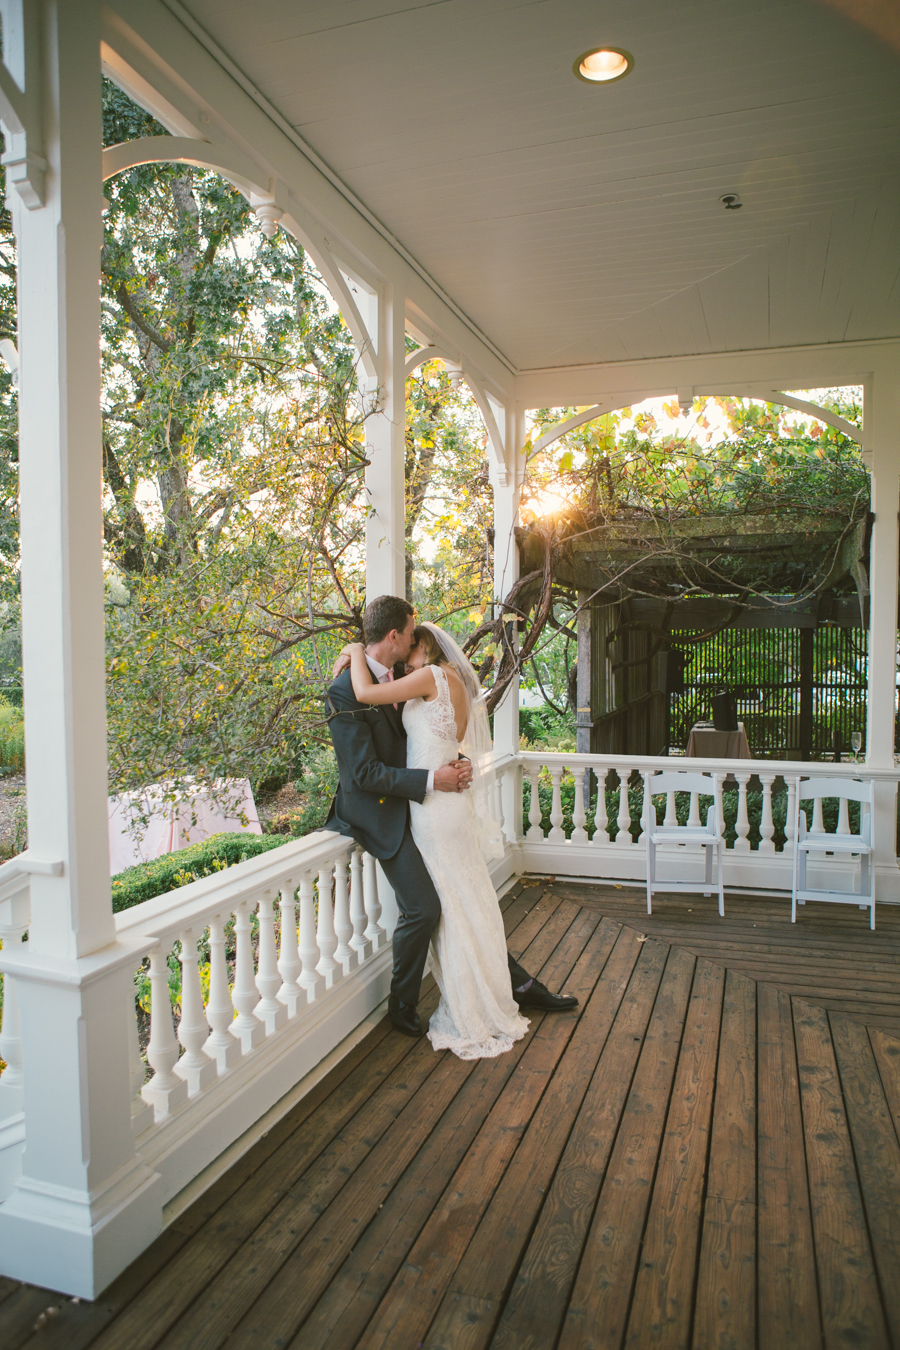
(454, 777)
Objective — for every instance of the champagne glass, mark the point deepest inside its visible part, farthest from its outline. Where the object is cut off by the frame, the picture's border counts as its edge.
(856, 742)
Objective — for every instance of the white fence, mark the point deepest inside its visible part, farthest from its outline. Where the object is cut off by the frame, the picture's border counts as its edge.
(256, 974)
(599, 836)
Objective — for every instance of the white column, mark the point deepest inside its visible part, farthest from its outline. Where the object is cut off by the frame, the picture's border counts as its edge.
(386, 441)
(882, 415)
(83, 1206)
(507, 495)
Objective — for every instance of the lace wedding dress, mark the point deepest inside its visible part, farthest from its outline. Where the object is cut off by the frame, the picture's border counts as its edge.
(477, 1017)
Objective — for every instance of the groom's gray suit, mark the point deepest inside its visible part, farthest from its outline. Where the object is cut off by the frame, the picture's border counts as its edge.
(372, 807)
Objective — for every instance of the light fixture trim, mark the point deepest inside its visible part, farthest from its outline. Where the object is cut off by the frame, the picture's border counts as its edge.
(617, 71)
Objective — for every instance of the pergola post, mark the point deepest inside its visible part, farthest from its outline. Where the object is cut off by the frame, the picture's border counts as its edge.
(84, 1205)
(386, 442)
(883, 419)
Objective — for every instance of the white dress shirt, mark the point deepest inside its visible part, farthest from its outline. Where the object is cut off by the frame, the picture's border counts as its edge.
(381, 674)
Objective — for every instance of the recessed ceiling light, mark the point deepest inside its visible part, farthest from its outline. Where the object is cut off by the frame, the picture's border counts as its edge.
(602, 64)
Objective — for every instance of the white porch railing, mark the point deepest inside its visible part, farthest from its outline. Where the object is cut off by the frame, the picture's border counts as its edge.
(557, 822)
(309, 932)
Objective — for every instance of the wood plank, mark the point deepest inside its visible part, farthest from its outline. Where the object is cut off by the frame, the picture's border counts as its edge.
(271, 1258)
(171, 1294)
(367, 1176)
(848, 1287)
(474, 1301)
(345, 1307)
(413, 1297)
(193, 1218)
(22, 1311)
(307, 1175)
(787, 1300)
(726, 1277)
(599, 1307)
(886, 1049)
(877, 1154)
(537, 1302)
(662, 1304)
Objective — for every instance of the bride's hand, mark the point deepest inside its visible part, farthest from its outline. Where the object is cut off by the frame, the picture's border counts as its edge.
(343, 658)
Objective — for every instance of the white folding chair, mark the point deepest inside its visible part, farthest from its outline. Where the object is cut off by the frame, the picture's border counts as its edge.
(843, 844)
(709, 836)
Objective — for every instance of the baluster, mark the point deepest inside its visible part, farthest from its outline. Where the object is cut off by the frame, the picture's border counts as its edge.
(601, 820)
(767, 825)
(556, 811)
(694, 820)
(535, 831)
(344, 953)
(742, 824)
(671, 817)
(165, 1092)
(290, 993)
(197, 1069)
(308, 948)
(843, 825)
(270, 1009)
(495, 798)
(579, 833)
(141, 1111)
(245, 995)
(221, 1046)
(375, 934)
(623, 838)
(361, 947)
(789, 817)
(326, 939)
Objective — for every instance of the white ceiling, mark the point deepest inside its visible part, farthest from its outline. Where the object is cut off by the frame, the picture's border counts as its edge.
(576, 223)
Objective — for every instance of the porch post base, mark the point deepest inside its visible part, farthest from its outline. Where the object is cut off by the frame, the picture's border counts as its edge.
(887, 884)
(75, 1243)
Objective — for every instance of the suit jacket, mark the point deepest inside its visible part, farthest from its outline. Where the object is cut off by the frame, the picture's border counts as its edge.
(372, 801)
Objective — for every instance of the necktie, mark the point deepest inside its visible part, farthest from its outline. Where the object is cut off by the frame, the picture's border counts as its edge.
(389, 679)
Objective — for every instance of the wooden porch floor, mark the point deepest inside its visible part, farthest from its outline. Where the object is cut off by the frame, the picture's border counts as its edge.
(705, 1155)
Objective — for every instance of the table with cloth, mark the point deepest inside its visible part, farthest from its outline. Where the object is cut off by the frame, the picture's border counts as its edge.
(145, 825)
(707, 743)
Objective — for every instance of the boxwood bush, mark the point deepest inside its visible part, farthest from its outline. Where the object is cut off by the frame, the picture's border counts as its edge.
(172, 870)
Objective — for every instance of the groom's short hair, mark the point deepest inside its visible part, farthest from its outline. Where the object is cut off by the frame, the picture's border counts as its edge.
(383, 615)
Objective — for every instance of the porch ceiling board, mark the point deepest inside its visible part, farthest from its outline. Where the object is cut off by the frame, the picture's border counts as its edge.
(578, 224)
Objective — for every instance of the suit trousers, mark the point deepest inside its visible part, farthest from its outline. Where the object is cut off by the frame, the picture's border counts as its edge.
(420, 912)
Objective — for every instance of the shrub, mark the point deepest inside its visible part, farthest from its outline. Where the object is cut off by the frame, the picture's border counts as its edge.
(12, 737)
(167, 873)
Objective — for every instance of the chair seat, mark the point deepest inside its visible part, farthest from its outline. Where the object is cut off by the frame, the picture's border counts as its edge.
(683, 834)
(835, 843)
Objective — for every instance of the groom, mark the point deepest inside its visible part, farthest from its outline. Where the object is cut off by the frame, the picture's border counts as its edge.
(372, 806)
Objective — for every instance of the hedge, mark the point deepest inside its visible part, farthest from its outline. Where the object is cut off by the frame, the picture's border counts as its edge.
(172, 870)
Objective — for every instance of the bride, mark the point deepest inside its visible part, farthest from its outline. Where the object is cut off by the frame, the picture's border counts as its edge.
(443, 713)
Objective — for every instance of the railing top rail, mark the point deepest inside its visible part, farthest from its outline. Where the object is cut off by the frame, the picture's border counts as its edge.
(781, 768)
(189, 906)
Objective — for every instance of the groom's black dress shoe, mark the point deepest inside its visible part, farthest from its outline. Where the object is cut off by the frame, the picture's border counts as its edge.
(404, 1017)
(538, 996)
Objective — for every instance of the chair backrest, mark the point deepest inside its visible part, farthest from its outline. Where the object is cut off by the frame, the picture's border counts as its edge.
(808, 789)
(681, 781)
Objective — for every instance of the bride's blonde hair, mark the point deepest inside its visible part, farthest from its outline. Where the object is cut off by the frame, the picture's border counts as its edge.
(424, 638)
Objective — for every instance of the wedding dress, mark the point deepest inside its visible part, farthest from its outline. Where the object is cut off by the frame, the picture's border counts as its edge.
(477, 1017)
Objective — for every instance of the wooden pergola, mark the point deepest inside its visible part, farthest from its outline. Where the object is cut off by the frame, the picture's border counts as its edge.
(643, 585)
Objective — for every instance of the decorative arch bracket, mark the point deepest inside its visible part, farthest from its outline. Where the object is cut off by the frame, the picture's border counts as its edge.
(686, 398)
(458, 371)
